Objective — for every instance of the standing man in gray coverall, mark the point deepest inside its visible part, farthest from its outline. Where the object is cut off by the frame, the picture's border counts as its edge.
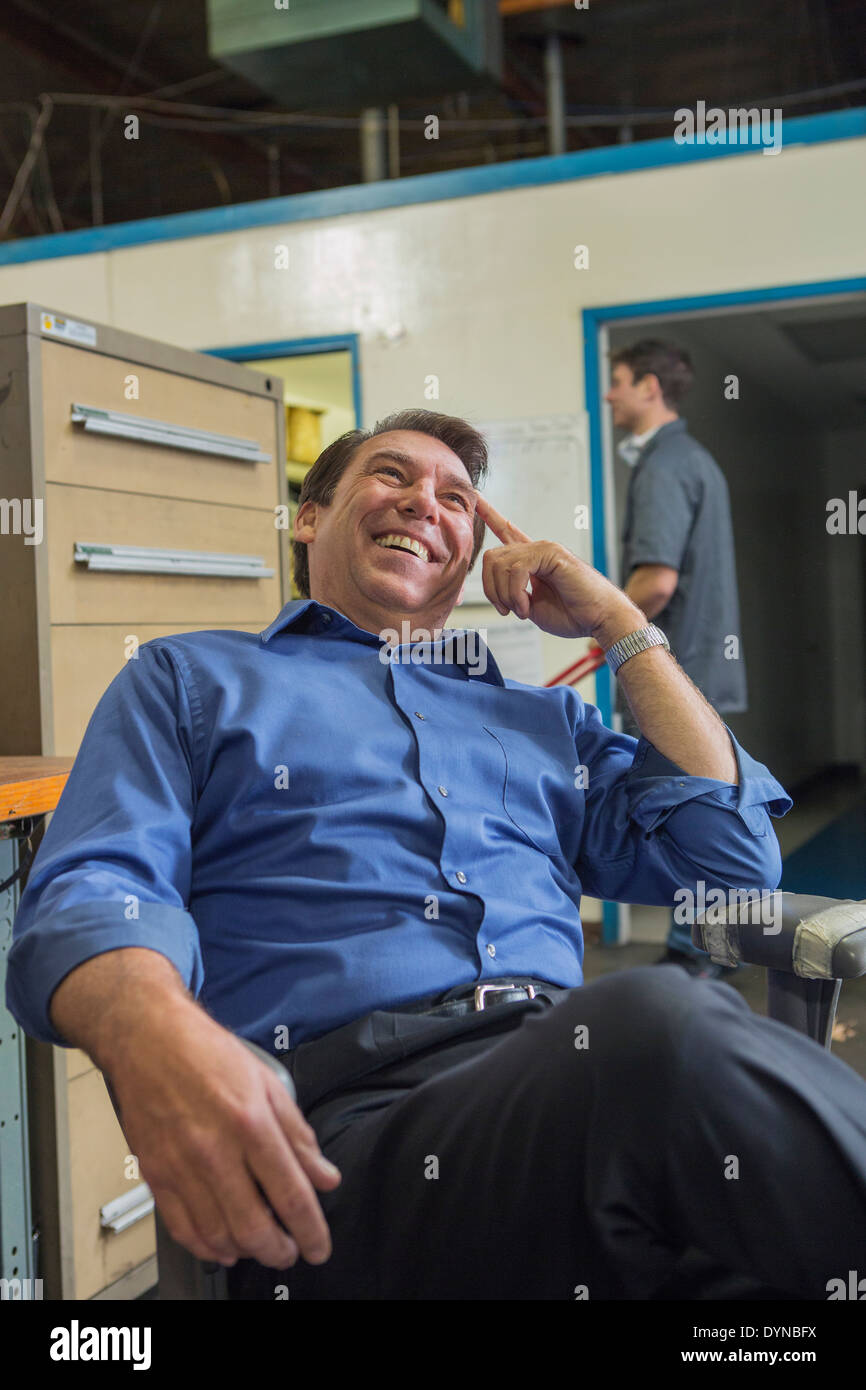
(678, 547)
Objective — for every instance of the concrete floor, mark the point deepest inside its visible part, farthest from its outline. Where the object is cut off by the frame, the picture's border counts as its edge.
(815, 806)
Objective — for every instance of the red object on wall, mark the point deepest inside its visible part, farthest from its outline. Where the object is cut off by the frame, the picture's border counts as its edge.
(589, 662)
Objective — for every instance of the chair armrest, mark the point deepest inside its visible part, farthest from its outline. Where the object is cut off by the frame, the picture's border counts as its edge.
(278, 1067)
(813, 937)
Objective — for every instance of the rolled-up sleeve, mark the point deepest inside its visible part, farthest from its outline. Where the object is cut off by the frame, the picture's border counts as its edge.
(663, 508)
(651, 829)
(114, 867)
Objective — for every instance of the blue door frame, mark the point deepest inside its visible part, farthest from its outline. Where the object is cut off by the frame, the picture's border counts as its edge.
(594, 319)
(301, 347)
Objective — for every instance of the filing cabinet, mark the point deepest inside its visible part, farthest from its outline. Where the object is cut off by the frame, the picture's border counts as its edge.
(142, 492)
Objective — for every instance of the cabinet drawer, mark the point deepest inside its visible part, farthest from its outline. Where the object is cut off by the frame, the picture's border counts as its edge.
(79, 595)
(97, 1161)
(84, 662)
(75, 375)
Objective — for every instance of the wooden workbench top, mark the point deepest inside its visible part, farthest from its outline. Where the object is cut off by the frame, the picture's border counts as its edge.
(30, 786)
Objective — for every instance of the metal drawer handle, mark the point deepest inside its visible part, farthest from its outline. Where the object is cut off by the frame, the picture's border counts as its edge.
(124, 1211)
(144, 559)
(113, 422)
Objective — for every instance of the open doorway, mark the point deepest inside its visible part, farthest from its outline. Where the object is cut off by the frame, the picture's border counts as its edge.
(779, 400)
(321, 391)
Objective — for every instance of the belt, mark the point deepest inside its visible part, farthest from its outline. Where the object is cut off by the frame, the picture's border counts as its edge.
(483, 996)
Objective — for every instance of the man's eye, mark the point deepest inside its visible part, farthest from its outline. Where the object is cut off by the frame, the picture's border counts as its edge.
(458, 497)
(387, 469)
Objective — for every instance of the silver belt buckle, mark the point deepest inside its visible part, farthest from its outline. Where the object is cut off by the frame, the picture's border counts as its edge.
(481, 992)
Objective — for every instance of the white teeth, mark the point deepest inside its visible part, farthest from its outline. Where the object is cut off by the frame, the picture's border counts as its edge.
(404, 543)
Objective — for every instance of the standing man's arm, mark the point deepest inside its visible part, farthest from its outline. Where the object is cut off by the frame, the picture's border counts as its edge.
(652, 587)
(663, 503)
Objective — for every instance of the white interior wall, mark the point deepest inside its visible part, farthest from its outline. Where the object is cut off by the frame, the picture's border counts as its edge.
(485, 287)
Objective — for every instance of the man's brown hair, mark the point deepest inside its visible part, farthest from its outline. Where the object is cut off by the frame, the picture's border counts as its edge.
(665, 361)
(320, 483)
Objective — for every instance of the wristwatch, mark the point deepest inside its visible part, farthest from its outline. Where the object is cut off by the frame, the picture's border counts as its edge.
(635, 642)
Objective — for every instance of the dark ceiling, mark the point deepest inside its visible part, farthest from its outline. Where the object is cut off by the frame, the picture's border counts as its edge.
(204, 138)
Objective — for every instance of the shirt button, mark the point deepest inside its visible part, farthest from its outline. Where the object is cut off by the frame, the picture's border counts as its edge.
(326, 617)
(443, 791)
(460, 876)
(491, 949)
(419, 715)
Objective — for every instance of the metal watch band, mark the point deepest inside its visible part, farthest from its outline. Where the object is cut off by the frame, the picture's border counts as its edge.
(634, 642)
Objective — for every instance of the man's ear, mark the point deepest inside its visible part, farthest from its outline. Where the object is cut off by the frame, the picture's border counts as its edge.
(655, 386)
(305, 522)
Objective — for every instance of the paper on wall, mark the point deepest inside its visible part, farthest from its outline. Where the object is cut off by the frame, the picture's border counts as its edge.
(538, 477)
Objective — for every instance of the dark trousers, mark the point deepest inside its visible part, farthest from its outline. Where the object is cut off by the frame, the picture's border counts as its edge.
(586, 1149)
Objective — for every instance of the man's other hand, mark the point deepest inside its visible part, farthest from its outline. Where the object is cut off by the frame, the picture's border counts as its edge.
(208, 1122)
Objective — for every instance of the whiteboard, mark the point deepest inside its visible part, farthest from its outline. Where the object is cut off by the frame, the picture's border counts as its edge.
(538, 474)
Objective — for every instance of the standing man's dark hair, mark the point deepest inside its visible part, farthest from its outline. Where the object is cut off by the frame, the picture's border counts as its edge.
(670, 365)
(320, 483)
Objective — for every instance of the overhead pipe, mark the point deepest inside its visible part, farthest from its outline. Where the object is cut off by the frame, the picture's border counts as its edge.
(555, 95)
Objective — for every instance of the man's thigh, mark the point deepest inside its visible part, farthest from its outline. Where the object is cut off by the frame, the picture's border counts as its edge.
(498, 1175)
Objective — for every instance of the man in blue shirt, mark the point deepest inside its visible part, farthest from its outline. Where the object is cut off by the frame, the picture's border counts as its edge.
(331, 837)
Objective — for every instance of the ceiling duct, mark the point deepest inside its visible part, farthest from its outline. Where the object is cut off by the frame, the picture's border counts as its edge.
(358, 52)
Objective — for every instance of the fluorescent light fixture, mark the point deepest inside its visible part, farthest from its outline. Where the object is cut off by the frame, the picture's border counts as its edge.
(126, 1210)
(146, 560)
(96, 421)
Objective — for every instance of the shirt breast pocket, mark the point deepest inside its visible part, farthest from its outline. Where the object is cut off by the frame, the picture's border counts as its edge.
(542, 788)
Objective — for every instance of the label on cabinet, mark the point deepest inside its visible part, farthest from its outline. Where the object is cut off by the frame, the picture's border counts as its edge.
(70, 329)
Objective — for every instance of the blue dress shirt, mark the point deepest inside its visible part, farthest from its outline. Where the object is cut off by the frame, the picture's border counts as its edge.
(311, 830)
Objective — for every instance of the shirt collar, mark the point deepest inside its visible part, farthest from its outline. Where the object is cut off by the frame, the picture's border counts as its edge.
(308, 616)
(631, 449)
(641, 439)
(672, 427)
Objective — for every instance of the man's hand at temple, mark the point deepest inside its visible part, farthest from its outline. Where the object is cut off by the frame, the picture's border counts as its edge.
(568, 598)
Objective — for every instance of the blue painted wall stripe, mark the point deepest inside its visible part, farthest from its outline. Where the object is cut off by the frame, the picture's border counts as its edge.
(423, 188)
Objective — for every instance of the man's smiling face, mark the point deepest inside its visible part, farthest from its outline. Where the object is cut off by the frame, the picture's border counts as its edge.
(396, 539)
